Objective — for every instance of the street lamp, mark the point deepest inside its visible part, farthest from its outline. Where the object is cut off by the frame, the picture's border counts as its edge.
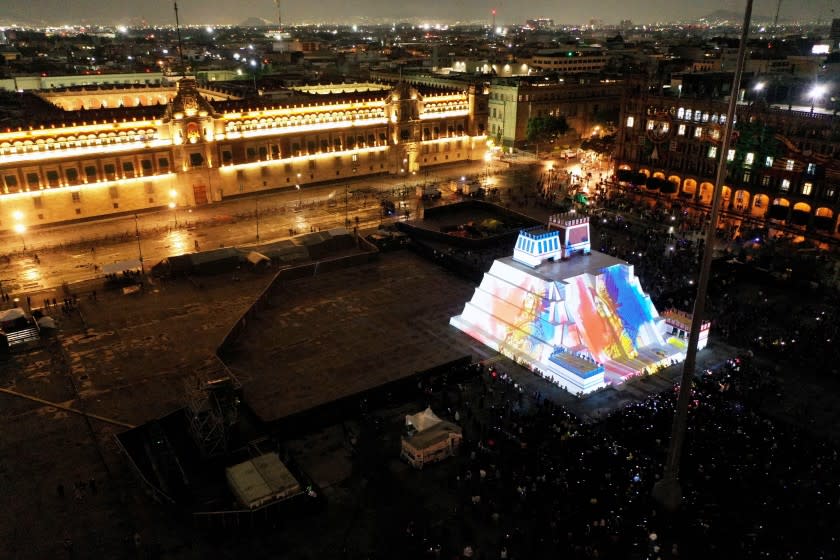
(173, 204)
(139, 249)
(20, 229)
(174, 207)
(816, 92)
(254, 75)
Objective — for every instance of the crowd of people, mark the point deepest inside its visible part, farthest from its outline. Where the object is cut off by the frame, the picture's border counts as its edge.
(534, 481)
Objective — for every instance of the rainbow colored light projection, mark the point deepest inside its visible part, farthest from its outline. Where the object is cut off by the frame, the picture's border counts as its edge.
(583, 323)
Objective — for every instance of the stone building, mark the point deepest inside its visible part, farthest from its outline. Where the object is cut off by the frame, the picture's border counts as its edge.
(783, 165)
(189, 146)
(581, 100)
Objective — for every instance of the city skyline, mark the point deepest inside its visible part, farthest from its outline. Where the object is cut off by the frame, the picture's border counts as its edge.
(213, 12)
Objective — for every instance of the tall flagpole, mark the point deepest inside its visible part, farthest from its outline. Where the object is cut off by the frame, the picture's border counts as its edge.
(668, 491)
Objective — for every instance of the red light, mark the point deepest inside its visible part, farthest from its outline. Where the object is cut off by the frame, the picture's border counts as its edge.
(493, 11)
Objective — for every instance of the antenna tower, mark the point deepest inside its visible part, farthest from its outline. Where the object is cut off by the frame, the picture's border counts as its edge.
(279, 14)
(180, 46)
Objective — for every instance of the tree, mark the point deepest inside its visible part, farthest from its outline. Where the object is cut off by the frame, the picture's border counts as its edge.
(542, 129)
(603, 145)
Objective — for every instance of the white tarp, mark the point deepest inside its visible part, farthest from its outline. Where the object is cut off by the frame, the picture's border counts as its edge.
(422, 420)
(261, 480)
(12, 314)
(256, 258)
(119, 266)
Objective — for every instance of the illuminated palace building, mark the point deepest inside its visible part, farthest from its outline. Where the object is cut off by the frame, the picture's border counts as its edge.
(783, 165)
(190, 146)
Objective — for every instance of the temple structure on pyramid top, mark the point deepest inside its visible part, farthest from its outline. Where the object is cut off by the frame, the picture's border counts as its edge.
(578, 317)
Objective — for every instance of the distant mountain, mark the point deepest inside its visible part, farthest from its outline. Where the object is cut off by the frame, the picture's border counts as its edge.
(735, 17)
(255, 22)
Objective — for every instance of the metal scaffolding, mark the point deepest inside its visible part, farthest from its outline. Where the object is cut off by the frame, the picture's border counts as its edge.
(212, 394)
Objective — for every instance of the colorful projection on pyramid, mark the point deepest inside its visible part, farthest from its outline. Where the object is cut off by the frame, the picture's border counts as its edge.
(583, 322)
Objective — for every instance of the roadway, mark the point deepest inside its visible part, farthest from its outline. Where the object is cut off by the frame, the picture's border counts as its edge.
(76, 252)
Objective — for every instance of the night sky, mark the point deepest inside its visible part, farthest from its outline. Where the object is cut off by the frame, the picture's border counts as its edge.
(354, 11)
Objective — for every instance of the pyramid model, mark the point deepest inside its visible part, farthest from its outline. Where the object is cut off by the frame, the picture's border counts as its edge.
(583, 323)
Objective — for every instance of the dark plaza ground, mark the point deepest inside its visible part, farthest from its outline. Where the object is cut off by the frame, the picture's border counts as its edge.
(336, 333)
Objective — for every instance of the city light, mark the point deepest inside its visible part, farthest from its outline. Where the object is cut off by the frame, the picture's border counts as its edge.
(20, 228)
(817, 91)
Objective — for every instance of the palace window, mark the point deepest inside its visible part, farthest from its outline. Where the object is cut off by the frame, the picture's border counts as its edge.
(698, 131)
(32, 180)
(785, 185)
(750, 157)
(52, 178)
(730, 155)
(765, 181)
(76, 196)
(681, 130)
(807, 188)
(789, 165)
(811, 169)
(630, 122)
(163, 163)
(712, 151)
(768, 161)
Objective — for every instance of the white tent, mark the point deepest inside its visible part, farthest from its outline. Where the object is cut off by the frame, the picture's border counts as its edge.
(261, 480)
(422, 420)
(12, 314)
(119, 266)
(256, 258)
(47, 322)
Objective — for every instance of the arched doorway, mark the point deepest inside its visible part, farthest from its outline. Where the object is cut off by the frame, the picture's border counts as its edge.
(645, 172)
(801, 214)
(726, 196)
(706, 192)
(672, 186)
(689, 188)
(824, 219)
(779, 209)
(760, 205)
(741, 200)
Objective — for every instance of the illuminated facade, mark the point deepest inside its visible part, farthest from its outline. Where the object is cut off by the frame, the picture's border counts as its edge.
(191, 147)
(581, 101)
(783, 165)
(582, 322)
